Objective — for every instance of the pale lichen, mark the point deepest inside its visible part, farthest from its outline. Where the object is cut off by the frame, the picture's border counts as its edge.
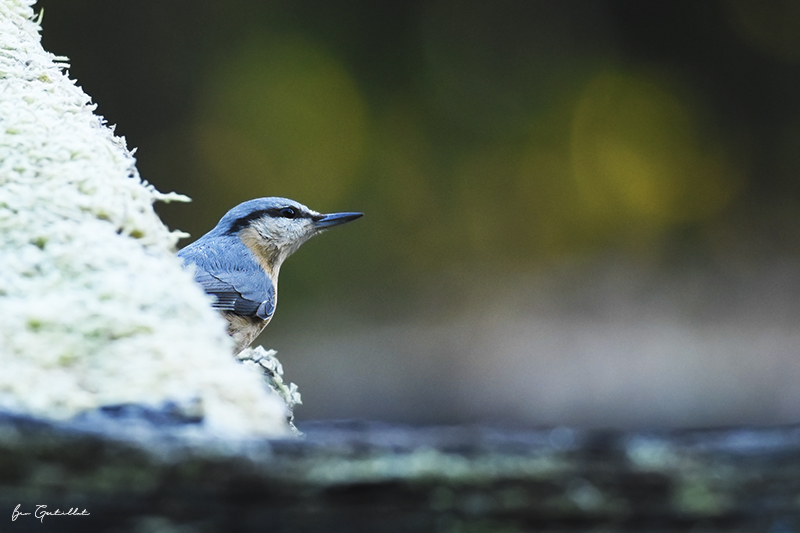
(266, 364)
(95, 309)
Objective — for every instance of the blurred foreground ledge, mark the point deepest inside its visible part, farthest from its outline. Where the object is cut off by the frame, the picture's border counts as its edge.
(141, 471)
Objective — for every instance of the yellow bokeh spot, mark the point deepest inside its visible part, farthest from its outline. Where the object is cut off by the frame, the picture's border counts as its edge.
(282, 117)
(637, 155)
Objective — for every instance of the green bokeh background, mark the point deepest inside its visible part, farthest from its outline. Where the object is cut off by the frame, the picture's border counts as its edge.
(488, 143)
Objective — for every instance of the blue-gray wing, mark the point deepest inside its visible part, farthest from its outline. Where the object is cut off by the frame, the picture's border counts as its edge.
(226, 269)
(247, 295)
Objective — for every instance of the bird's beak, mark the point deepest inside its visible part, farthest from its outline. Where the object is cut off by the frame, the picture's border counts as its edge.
(334, 219)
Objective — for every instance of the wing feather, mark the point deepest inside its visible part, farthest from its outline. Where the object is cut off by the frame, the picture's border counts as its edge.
(239, 284)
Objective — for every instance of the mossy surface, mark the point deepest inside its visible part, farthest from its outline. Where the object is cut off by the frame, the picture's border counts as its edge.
(375, 477)
(95, 308)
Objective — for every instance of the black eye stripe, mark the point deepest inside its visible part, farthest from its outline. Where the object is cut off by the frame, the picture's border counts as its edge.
(241, 223)
(274, 212)
(278, 212)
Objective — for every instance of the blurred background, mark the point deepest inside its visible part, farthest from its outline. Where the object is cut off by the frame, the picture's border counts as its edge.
(582, 212)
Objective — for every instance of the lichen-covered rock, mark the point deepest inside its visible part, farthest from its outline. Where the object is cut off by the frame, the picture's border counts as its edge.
(95, 309)
(266, 363)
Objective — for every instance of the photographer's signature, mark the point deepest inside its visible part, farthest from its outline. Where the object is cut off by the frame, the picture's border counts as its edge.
(41, 511)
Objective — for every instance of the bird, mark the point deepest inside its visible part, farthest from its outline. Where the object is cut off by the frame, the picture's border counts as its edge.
(238, 261)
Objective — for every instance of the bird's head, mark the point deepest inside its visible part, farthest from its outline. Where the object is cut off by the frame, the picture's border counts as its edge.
(273, 228)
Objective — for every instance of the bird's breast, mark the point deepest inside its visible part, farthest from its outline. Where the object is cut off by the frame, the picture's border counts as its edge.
(244, 329)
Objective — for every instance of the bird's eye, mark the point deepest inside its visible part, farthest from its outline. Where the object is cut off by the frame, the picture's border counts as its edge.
(288, 212)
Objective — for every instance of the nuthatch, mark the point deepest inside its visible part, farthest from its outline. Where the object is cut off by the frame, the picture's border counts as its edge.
(239, 260)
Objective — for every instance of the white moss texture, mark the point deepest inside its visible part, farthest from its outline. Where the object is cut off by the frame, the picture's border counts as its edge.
(95, 308)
